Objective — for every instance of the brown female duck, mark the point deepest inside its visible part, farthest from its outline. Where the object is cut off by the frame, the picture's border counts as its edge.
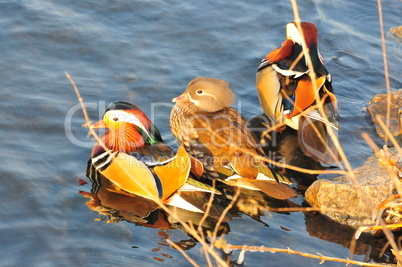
(203, 123)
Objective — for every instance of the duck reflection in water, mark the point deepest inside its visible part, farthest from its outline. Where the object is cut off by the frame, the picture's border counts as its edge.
(284, 147)
(117, 205)
(375, 248)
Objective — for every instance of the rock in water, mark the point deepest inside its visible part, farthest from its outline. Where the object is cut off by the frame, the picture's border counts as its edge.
(397, 32)
(353, 203)
(378, 108)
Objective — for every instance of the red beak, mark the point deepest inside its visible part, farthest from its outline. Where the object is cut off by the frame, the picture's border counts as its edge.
(181, 98)
(99, 125)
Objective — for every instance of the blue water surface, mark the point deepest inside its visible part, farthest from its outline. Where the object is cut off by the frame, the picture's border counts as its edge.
(145, 52)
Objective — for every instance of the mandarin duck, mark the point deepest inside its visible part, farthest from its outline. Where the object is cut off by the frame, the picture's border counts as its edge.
(108, 199)
(132, 155)
(288, 97)
(203, 123)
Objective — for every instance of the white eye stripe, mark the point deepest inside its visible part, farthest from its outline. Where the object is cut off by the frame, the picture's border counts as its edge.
(122, 116)
(213, 96)
(196, 102)
(293, 33)
(126, 117)
(191, 99)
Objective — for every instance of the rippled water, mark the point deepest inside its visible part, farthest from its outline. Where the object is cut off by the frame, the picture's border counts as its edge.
(145, 52)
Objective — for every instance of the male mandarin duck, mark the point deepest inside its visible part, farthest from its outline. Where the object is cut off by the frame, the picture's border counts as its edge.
(288, 97)
(210, 130)
(132, 155)
(108, 199)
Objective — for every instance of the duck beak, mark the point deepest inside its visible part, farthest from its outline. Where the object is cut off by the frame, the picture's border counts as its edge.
(182, 98)
(99, 125)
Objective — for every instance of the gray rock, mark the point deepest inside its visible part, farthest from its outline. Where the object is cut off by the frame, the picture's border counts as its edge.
(353, 203)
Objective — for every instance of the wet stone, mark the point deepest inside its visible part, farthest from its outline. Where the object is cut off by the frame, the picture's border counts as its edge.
(397, 32)
(378, 110)
(354, 202)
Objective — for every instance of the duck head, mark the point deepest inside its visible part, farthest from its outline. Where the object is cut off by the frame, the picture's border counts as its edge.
(294, 37)
(310, 33)
(207, 95)
(128, 128)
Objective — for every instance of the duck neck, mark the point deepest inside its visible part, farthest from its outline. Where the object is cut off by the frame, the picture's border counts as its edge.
(127, 139)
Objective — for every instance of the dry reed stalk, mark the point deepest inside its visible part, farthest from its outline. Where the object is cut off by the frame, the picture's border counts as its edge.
(385, 126)
(375, 228)
(312, 76)
(209, 205)
(385, 61)
(303, 209)
(185, 255)
(383, 226)
(225, 211)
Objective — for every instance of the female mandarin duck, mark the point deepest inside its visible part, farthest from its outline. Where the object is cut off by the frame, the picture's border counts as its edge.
(132, 155)
(204, 123)
(288, 97)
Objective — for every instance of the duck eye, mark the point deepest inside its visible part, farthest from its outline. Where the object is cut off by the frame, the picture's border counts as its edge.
(115, 119)
(199, 91)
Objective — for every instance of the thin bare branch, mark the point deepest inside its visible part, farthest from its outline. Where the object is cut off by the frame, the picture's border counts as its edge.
(190, 260)
(320, 257)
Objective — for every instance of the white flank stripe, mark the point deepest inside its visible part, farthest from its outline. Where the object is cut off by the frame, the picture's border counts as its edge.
(188, 187)
(106, 161)
(166, 161)
(288, 72)
(315, 115)
(263, 177)
(94, 160)
(178, 201)
(233, 177)
(260, 177)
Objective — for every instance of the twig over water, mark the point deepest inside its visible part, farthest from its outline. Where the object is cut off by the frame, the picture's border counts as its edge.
(319, 256)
